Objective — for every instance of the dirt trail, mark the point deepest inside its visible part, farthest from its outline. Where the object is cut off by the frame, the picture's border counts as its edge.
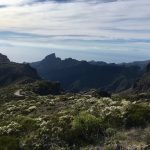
(18, 93)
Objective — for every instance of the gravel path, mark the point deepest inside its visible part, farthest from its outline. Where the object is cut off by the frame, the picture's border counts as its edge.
(18, 93)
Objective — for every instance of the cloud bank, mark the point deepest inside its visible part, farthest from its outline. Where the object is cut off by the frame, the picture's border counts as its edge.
(99, 29)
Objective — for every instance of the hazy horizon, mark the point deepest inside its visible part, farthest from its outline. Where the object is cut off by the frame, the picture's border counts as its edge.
(13, 59)
(113, 31)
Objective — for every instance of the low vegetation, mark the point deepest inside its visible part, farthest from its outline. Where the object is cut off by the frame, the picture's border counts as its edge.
(73, 122)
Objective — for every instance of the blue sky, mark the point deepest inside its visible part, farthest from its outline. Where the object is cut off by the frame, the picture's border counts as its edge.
(104, 30)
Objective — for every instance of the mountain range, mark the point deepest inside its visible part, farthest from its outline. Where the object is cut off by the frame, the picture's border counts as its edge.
(77, 75)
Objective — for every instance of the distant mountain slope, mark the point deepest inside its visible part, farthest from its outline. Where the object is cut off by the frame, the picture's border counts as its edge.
(52, 63)
(4, 59)
(11, 72)
(81, 75)
(141, 64)
(143, 83)
(97, 63)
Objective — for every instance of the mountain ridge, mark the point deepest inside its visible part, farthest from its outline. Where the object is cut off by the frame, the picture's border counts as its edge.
(82, 75)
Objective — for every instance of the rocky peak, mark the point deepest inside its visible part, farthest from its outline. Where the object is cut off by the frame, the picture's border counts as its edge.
(51, 56)
(51, 59)
(4, 59)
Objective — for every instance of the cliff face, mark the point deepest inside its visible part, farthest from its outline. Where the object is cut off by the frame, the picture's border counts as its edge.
(14, 72)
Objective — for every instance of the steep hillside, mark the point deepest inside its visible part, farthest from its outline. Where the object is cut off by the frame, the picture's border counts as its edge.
(143, 83)
(81, 75)
(74, 122)
(4, 59)
(11, 72)
(141, 64)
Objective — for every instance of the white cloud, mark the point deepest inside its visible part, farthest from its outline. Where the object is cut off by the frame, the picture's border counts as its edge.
(80, 18)
(77, 20)
(11, 2)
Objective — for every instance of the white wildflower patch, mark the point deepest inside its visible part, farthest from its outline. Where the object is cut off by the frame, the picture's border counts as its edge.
(125, 102)
(39, 119)
(107, 101)
(13, 127)
(12, 108)
(52, 103)
(92, 109)
(32, 108)
(65, 118)
(2, 114)
(92, 100)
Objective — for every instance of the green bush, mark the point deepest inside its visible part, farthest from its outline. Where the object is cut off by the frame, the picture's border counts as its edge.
(109, 148)
(86, 128)
(113, 121)
(137, 115)
(28, 124)
(110, 132)
(46, 87)
(147, 135)
(9, 143)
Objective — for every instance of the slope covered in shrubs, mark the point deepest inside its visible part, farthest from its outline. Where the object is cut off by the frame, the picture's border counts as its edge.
(74, 121)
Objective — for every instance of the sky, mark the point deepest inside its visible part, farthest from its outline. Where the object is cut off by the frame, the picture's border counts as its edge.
(102, 30)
